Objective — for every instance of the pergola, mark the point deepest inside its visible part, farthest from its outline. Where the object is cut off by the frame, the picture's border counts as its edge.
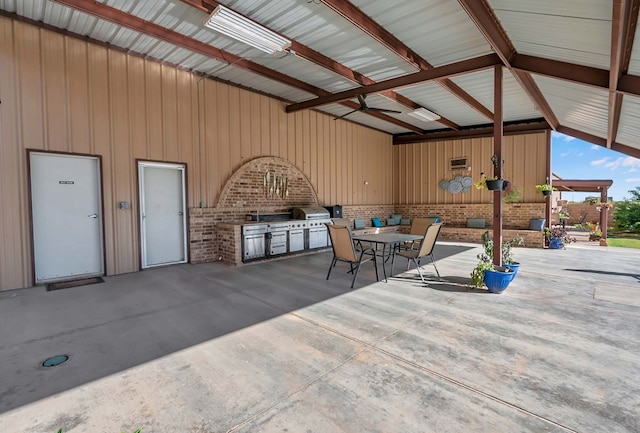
(592, 185)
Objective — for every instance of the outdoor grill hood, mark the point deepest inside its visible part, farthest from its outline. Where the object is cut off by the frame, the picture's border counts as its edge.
(310, 213)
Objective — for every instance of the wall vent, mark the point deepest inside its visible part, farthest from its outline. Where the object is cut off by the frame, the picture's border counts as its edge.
(458, 164)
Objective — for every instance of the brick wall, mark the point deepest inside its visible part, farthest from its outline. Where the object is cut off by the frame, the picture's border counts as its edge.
(515, 215)
(244, 193)
(532, 239)
(367, 212)
(246, 188)
(576, 210)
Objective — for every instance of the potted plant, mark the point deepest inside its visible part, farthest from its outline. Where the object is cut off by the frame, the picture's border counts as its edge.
(491, 183)
(558, 237)
(546, 189)
(496, 278)
(603, 206)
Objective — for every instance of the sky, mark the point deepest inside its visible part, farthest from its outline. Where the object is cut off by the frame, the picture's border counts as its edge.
(572, 158)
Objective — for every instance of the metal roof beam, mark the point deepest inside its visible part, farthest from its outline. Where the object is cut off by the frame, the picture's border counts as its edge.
(623, 29)
(562, 70)
(482, 15)
(622, 148)
(146, 27)
(320, 59)
(364, 22)
(452, 69)
(510, 128)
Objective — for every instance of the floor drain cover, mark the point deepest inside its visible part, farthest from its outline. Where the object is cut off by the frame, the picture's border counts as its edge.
(55, 360)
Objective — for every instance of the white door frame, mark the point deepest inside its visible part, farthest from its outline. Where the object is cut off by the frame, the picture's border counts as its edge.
(100, 216)
(143, 238)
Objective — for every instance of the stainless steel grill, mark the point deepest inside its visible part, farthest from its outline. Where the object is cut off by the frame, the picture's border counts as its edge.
(316, 217)
(311, 213)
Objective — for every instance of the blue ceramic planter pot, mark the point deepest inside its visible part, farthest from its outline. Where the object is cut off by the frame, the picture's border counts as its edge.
(515, 267)
(497, 281)
(555, 243)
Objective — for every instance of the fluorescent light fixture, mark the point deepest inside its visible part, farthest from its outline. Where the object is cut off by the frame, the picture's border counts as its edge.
(241, 28)
(424, 115)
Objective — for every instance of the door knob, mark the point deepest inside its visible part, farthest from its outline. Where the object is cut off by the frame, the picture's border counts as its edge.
(93, 215)
(181, 213)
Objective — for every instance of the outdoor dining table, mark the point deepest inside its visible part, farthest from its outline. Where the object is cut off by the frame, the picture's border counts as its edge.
(389, 240)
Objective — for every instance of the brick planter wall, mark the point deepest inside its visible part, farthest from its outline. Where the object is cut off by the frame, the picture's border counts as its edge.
(532, 239)
(515, 215)
(367, 212)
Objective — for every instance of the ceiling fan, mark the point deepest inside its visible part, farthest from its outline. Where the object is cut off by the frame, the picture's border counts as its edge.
(363, 107)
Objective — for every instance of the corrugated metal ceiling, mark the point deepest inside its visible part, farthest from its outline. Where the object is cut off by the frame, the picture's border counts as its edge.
(440, 31)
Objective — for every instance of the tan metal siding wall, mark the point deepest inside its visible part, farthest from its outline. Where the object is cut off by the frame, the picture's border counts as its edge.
(420, 167)
(63, 94)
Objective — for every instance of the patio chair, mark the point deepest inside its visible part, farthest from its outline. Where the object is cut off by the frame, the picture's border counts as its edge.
(580, 224)
(424, 249)
(345, 251)
(418, 227)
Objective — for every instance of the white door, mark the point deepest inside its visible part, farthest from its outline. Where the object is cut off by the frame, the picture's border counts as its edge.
(67, 216)
(163, 216)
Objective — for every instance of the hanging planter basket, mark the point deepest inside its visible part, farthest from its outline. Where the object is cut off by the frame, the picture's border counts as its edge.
(546, 192)
(495, 185)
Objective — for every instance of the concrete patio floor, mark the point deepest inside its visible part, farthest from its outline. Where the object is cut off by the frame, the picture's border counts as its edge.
(274, 347)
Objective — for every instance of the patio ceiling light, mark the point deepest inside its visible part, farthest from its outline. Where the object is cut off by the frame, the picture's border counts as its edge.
(424, 115)
(241, 28)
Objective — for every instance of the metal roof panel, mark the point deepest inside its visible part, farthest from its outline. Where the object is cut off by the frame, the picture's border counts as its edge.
(629, 131)
(451, 35)
(435, 98)
(577, 106)
(515, 102)
(572, 31)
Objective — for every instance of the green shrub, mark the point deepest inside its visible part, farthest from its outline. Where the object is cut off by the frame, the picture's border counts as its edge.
(627, 216)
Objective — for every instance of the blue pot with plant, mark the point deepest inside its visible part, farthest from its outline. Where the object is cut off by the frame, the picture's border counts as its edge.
(558, 237)
(496, 278)
(555, 243)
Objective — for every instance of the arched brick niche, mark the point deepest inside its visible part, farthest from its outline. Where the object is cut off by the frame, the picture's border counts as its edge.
(245, 189)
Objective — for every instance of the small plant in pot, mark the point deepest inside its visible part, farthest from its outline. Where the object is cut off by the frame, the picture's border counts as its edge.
(545, 189)
(491, 183)
(558, 237)
(496, 278)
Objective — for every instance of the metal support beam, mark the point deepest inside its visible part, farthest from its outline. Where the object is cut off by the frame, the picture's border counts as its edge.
(449, 70)
(604, 218)
(548, 206)
(531, 126)
(497, 165)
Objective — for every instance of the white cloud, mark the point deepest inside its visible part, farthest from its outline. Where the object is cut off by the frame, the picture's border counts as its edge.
(627, 162)
(565, 154)
(580, 155)
(561, 136)
(595, 147)
(633, 179)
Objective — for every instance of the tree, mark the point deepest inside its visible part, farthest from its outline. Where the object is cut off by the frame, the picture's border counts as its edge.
(627, 212)
(635, 194)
